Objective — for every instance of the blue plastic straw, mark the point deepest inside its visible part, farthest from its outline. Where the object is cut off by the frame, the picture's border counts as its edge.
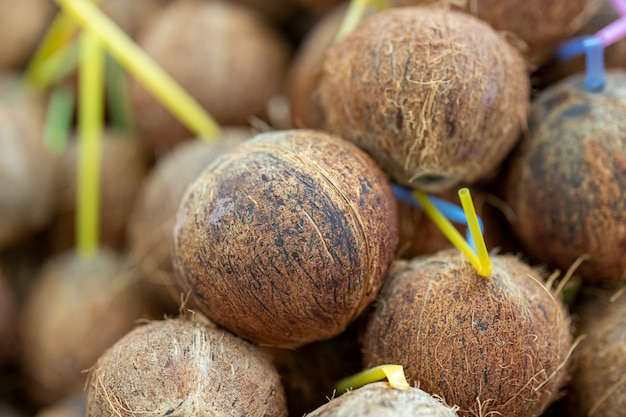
(451, 211)
(593, 48)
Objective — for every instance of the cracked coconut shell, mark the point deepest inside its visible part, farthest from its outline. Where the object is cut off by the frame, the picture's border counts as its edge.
(437, 97)
(491, 345)
(287, 238)
(182, 368)
(567, 180)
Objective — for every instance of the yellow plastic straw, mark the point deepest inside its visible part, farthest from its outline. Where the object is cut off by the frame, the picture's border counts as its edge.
(448, 229)
(90, 121)
(188, 111)
(58, 35)
(354, 14)
(393, 373)
(477, 236)
(54, 68)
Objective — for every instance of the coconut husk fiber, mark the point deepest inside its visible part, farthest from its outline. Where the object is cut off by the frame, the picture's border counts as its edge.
(151, 222)
(437, 105)
(381, 400)
(490, 345)
(540, 25)
(180, 367)
(287, 238)
(567, 180)
(598, 385)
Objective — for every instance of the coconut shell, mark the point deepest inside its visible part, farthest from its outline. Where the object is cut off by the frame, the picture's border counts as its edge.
(286, 239)
(381, 400)
(22, 23)
(225, 55)
(540, 25)
(183, 368)
(27, 169)
(123, 169)
(436, 106)
(598, 386)
(491, 345)
(151, 223)
(567, 180)
(78, 307)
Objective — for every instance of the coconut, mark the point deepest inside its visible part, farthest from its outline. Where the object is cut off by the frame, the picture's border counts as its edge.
(567, 180)
(180, 367)
(77, 308)
(436, 106)
(123, 169)
(598, 386)
(379, 399)
(286, 239)
(491, 345)
(72, 406)
(26, 167)
(305, 71)
(318, 7)
(227, 57)
(540, 25)
(21, 25)
(132, 16)
(152, 218)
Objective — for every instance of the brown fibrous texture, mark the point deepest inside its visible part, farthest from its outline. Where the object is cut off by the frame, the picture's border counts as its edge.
(436, 105)
(181, 367)
(306, 68)
(286, 239)
(567, 180)
(151, 222)
(22, 23)
(225, 55)
(496, 345)
(122, 172)
(380, 399)
(77, 308)
(27, 169)
(540, 25)
(598, 385)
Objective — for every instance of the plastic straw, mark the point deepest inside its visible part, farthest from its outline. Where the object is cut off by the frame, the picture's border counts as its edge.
(59, 119)
(135, 60)
(355, 13)
(393, 373)
(90, 121)
(477, 236)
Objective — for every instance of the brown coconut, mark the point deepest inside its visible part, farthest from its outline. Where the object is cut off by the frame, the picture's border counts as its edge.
(26, 168)
(540, 25)
(123, 169)
(306, 69)
(22, 24)
(436, 106)
(567, 180)
(491, 345)
(132, 16)
(225, 55)
(184, 368)
(286, 239)
(77, 308)
(598, 386)
(151, 222)
(381, 400)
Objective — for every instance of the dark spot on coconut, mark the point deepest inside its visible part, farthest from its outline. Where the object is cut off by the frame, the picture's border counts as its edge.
(543, 310)
(264, 177)
(578, 110)
(430, 179)
(481, 325)
(170, 411)
(399, 119)
(554, 100)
